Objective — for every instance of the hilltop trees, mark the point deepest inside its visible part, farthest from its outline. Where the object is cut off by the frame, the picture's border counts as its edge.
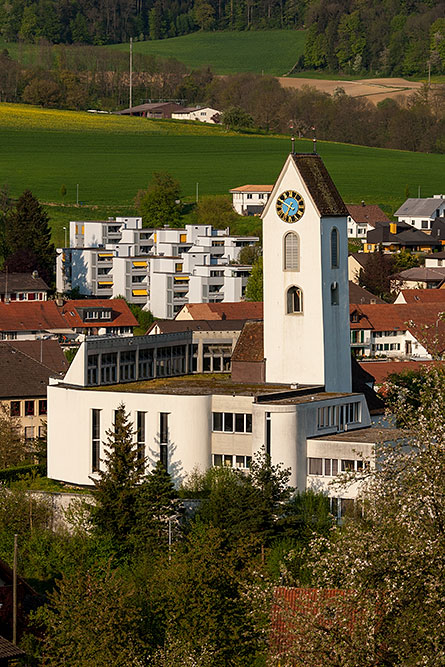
(27, 236)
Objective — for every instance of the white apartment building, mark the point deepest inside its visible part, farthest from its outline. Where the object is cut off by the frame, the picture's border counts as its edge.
(304, 415)
(161, 270)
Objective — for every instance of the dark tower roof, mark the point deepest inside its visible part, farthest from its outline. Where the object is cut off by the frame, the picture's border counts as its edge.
(326, 197)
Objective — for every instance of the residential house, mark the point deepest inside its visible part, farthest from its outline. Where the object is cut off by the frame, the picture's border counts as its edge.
(421, 213)
(244, 310)
(250, 199)
(363, 218)
(153, 110)
(66, 320)
(404, 331)
(419, 277)
(22, 287)
(397, 236)
(203, 114)
(359, 294)
(381, 370)
(356, 263)
(25, 369)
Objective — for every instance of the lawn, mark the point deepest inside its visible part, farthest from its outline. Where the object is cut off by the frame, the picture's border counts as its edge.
(112, 157)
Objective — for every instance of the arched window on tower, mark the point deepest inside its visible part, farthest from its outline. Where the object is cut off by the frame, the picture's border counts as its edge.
(294, 300)
(291, 252)
(334, 294)
(334, 248)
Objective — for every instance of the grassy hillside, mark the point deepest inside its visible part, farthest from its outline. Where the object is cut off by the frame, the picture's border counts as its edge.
(111, 157)
(269, 51)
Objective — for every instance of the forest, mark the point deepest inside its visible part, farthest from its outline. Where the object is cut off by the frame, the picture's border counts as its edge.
(385, 38)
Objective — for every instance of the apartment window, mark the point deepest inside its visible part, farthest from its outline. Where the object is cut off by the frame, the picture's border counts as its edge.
(15, 410)
(92, 368)
(42, 407)
(291, 252)
(42, 432)
(108, 367)
(127, 365)
(334, 294)
(228, 422)
(140, 435)
(294, 300)
(249, 196)
(178, 268)
(95, 439)
(183, 238)
(29, 408)
(334, 249)
(425, 224)
(326, 416)
(315, 466)
(347, 465)
(232, 461)
(331, 467)
(29, 432)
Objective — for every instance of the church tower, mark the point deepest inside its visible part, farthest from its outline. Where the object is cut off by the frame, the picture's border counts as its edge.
(306, 290)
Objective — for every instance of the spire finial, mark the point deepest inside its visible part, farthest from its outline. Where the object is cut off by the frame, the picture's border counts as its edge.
(314, 141)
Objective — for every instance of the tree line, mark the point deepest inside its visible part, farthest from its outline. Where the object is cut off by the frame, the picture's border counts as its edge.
(352, 36)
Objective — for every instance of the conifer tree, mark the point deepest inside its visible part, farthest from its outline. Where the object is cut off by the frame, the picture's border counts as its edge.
(28, 239)
(114, 514)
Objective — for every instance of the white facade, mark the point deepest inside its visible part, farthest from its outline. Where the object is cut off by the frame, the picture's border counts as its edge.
(153, 268)
(250, 199)
(420, 213)
(203, 114)
(358, 230)
(309, 345)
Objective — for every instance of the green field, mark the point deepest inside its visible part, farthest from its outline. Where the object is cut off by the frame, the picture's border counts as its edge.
(269, 52)
(112, 157)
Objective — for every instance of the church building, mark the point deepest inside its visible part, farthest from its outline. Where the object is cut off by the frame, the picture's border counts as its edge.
(300, 407)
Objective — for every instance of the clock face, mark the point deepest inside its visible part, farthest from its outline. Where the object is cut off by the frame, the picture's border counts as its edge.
(290, 206)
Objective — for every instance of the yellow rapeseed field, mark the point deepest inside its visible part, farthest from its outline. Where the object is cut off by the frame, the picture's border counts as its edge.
(20, 116)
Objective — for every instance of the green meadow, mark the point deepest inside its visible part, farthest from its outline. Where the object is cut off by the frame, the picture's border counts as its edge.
(270, 51)
(112, 157)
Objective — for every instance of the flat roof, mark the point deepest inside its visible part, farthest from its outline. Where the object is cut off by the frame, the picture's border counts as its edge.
(368, 434)
(221, 384)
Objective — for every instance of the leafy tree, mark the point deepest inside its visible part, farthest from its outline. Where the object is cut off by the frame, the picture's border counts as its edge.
(218, 211)
(254, 287)
(406, 260)
(236, 118)
(44, 92)
(249, 254)
(115, 493)
(388, 558)
(28, 239)
(204, 14)
(159, 204)
(376, 276)
(13, 448)
(92, 620)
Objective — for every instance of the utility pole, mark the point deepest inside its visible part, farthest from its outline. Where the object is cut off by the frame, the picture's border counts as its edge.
(197, 192)
(14, 593)
(77, 194)
(131, 74)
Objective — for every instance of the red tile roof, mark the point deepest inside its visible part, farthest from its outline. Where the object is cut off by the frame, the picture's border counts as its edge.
(423, 295)
(253, 188)
(381, 369)
(369, 213)
(249, 346)
(121, 313)
(34, 316)
(237, 310)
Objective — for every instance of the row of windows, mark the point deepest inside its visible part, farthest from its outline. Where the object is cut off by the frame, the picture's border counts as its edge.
(380, 347)
(331, 467)
(230, 422)
(31, 432)
(140, 437)
(385, 334)
(338, 415)
(232, 461)
(27, 408)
